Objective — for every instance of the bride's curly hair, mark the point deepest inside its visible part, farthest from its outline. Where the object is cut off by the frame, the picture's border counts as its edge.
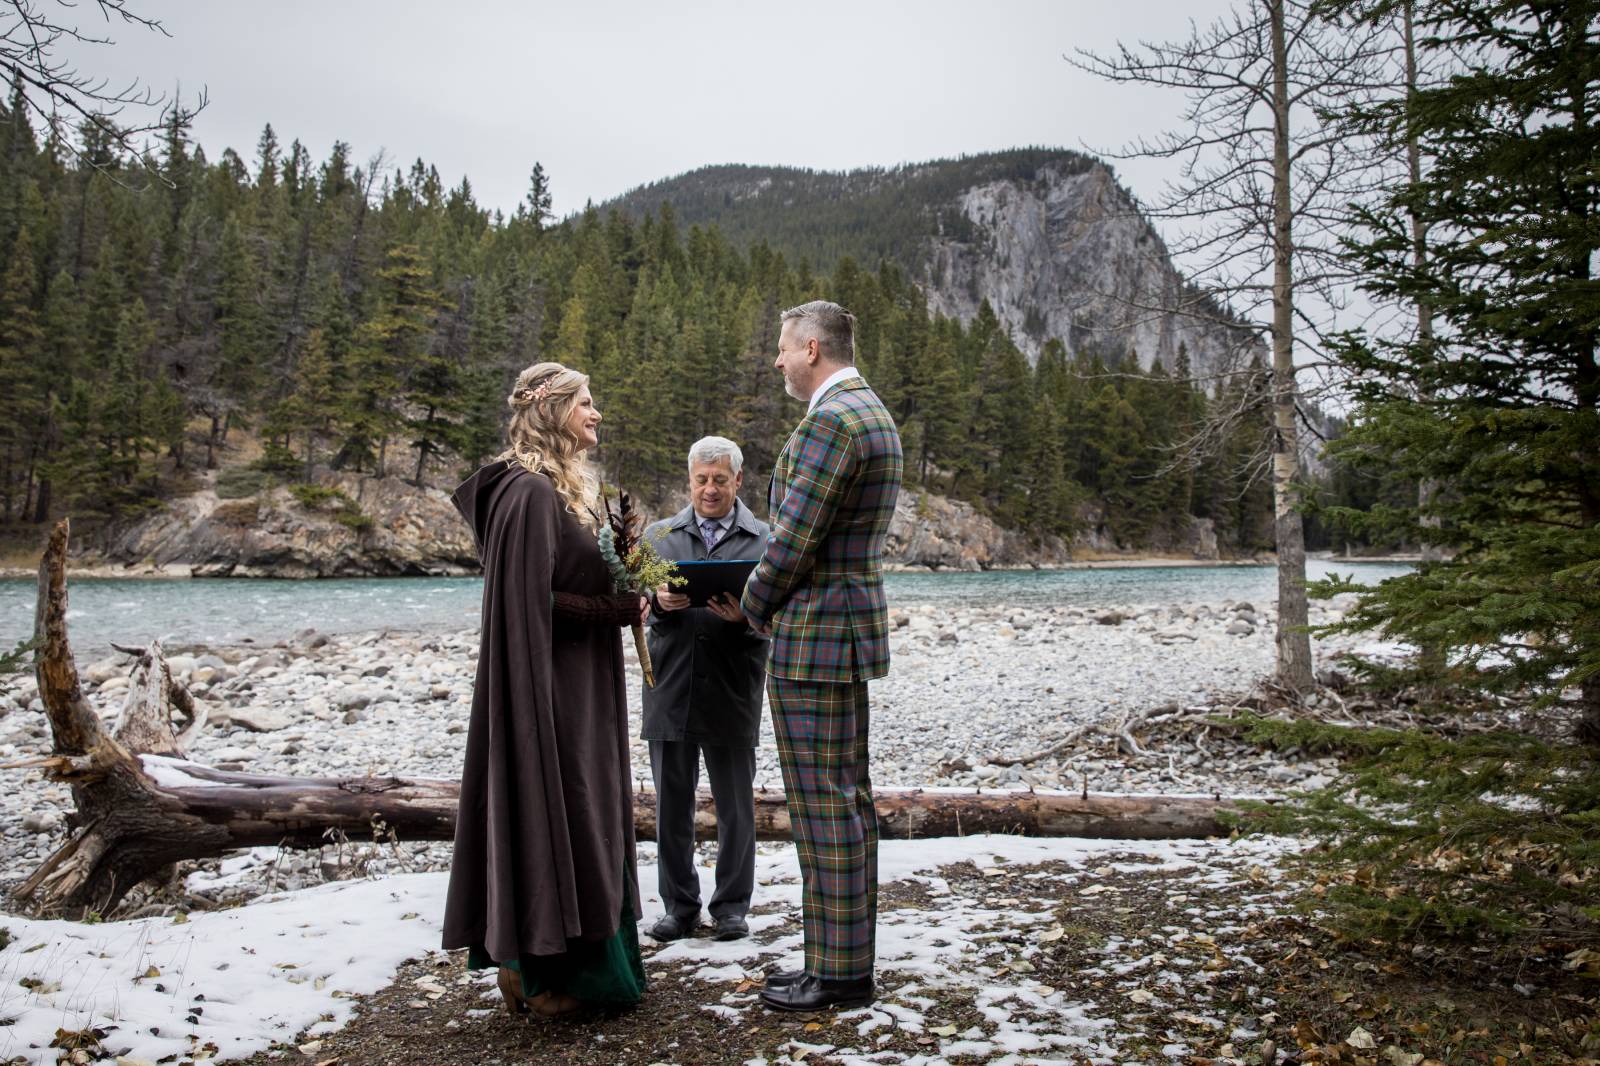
(541, 403)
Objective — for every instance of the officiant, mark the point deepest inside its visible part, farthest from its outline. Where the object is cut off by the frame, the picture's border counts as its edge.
(706, 703)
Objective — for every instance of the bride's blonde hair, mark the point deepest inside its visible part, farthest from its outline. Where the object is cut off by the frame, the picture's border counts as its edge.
(541, 403)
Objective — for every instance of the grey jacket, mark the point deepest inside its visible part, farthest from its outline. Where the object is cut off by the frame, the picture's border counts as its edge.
(709, 673)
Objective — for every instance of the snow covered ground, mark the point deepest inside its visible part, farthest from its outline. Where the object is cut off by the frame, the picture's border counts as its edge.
(287, 968)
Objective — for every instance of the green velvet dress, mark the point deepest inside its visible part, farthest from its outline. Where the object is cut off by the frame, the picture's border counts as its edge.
(602, 973)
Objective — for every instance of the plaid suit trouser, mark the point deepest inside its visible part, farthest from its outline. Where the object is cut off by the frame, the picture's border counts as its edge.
(821, 730)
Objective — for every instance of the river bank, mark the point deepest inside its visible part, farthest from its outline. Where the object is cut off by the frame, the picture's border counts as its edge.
(102, 571)
(972, 690)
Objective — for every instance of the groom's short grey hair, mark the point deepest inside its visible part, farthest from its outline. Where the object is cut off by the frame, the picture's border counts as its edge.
(711, 449)
(832, 326)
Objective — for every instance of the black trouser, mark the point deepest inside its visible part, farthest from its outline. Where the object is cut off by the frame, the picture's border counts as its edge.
(675, 766)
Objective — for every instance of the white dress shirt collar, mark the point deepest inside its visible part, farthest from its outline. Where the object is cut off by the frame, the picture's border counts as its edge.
(842, 374)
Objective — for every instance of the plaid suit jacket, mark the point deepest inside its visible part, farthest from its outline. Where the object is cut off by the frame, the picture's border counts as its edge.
(820, 582)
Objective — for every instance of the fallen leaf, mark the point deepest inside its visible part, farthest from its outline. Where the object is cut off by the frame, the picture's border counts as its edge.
(943, 1030)
(1401, 1058)
(1360, 1039)
(1052, 934)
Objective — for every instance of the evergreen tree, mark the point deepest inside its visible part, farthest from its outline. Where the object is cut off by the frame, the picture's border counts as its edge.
(385, 347)
(1501, 406)
(21, 343)
(237, 375)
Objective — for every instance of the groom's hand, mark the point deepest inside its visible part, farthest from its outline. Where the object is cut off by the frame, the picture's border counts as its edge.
(725, 607)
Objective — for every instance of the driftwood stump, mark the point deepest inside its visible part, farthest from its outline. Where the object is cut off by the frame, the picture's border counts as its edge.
(142, 805)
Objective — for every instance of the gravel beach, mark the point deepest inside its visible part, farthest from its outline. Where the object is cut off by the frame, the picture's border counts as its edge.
(968, 685)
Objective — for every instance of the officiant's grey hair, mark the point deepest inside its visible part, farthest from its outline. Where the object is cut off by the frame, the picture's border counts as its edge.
(712, 449)
(832, 326)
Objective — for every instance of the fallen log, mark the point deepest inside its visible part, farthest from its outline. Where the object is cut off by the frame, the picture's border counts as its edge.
(142, 805)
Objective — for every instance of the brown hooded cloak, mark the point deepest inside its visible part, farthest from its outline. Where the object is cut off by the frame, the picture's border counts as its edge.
(544, 834)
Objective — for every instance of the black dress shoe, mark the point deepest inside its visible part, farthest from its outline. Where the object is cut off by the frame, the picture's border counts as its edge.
(778, 978)
(671, 927)
(807, 993)
(731, 927)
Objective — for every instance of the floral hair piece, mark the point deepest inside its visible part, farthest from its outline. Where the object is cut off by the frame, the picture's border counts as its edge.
(534, 395)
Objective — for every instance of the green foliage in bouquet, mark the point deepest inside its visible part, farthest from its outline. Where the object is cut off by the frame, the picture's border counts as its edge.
(642, 570)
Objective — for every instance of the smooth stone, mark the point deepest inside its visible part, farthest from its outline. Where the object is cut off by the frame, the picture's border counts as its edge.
(256, 719)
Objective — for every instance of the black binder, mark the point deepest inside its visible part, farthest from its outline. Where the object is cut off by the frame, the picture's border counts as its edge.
(709, 577)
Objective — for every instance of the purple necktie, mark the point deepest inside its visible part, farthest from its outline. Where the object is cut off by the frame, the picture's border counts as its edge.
(710, 532)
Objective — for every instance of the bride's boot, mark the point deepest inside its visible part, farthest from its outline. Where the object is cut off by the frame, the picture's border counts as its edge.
(510, 983)
(553, 1004)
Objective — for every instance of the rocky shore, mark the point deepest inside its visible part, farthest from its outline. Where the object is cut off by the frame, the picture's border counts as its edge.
(971, 689)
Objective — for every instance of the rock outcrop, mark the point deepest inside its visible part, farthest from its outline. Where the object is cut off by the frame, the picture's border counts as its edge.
(932, 531)
(381, 527)
(387, 527)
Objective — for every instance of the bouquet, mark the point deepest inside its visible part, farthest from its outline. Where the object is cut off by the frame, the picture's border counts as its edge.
(635, 566)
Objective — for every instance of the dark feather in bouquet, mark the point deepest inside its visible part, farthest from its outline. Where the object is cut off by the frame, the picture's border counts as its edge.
(619, 539)
(626, 525)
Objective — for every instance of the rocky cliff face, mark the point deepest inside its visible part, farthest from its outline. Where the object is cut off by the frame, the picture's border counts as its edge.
(1066, 254)
(1046, 236)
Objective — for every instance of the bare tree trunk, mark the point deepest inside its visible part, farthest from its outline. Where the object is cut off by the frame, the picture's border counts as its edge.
(1430, 657)
(423, 447)
(1294, 643)
(142, 805)
(211, 441)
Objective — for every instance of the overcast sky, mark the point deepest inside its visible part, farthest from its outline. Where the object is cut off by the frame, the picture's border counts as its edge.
(610, 95)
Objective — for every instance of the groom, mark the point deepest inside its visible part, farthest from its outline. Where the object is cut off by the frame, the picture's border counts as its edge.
(819, 589)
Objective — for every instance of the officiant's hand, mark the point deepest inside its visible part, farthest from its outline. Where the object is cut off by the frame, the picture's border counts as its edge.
(644, 609)
(725, 607)
(667, 600)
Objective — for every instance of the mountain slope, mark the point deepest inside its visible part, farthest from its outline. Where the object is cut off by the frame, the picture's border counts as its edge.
(1047, 236)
